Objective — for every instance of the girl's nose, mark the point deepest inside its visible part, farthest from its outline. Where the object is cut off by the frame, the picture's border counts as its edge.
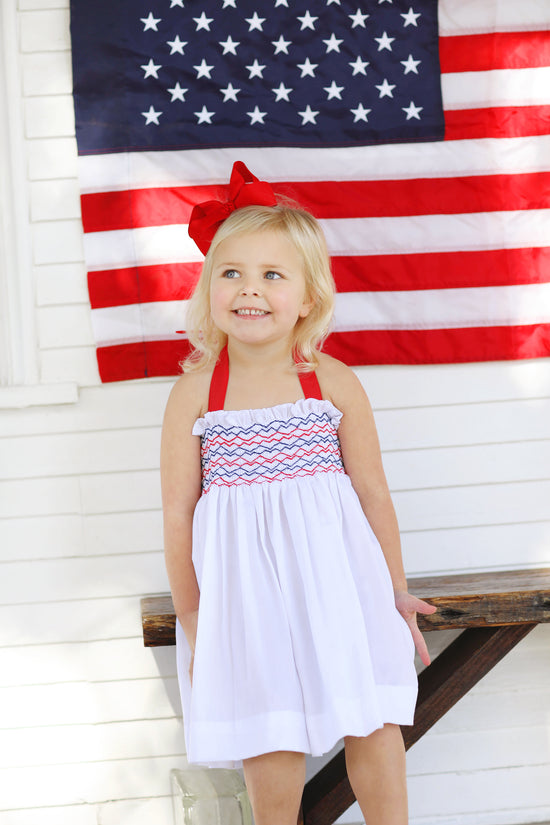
(250, 287)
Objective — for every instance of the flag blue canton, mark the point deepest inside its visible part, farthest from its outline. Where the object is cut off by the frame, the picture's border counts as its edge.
(204, 73)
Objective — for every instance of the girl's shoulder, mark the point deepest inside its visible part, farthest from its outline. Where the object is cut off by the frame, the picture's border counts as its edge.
(189, 395)
(339, 383)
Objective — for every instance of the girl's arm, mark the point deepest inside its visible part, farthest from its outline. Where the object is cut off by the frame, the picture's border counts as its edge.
(363, 463)
(180, 468)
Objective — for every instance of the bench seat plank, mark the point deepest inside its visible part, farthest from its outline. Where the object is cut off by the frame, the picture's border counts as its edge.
(481, 599)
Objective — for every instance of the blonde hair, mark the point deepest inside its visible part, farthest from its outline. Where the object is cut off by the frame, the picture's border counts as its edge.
(307, 236)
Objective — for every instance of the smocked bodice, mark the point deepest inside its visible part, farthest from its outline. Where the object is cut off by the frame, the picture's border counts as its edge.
(266, 445)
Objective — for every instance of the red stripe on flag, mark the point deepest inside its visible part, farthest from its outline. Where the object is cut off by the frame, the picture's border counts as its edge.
(147, 359)
(436, 270)
(436, 346)
(167, 282)
(439, 346)
(159, 206)
(335, 199)
(498, 122)
(426, 196)
(498, 50)
(371, 273)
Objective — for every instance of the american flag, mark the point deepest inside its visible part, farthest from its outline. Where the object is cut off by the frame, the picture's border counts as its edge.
(440, 247)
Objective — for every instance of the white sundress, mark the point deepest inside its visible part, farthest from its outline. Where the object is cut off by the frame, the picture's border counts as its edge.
(299, 642)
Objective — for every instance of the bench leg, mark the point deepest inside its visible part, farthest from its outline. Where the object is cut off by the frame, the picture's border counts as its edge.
(450, 676)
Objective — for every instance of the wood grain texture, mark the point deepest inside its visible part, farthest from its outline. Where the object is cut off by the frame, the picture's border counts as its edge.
(481, 599)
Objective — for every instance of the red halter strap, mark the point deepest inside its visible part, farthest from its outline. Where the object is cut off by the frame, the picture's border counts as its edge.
(218, 382)
(310, 384)
(220, 377)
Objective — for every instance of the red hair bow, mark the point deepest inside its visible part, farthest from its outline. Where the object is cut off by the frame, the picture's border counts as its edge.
(244, 190)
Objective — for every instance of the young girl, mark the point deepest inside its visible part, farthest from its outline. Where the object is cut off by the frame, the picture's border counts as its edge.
(295, 628)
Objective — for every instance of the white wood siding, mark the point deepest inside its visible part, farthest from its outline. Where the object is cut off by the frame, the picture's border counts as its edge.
(90, 721)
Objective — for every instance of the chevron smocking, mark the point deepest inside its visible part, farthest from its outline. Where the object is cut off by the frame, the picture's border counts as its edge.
(266, 452)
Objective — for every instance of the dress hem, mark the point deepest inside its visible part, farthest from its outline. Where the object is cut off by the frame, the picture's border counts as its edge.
(290, 731)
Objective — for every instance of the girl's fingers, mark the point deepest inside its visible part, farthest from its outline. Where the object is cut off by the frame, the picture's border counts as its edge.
(420, 644)
(408, 605)
(424, 607)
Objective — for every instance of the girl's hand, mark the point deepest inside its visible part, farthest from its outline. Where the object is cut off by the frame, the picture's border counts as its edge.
(189, 622)
(408, 605)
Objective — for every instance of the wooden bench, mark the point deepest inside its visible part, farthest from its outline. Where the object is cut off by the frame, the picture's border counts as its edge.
(494, 610)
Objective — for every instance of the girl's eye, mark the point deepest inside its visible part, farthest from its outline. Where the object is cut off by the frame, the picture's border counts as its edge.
(230, 273)
(272, 276)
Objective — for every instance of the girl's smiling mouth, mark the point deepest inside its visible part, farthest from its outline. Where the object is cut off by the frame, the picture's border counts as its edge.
(250, 312)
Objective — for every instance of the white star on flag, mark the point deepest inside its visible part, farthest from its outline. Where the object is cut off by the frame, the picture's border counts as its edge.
(229, 45)
(150, 22)
(203, 70)
(332, 44)
(281, 45)
(151, 116)
(334, 91)
(204, 115)
(359, 66)
(255, 69)
(410, 18)
(413, 111)
(230, 93)
(308, 22)
(386, 89)
(384, 42)
(177, 93)
(358, 19)
(151, 69)
(256, 116)
(410, 64)
(176, 45)
(308, 116)
(203, 22)
(360, 113)
(282, 93)
(308, 68)
(255, 22)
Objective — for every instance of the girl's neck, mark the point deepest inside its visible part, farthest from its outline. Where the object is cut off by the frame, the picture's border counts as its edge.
(261, 377)
(262, 358)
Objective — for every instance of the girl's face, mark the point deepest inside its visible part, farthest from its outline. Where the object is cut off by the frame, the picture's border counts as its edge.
(258, 287)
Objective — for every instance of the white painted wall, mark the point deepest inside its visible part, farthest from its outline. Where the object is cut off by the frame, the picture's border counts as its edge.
(90, 720)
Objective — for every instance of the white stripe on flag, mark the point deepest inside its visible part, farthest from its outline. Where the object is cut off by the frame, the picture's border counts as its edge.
(444, 308)
(157, 320)
(107, 173)
(351, 236)
(476, 16)
(502, 87)
(437, 233)
(147, 246)
(415, 309)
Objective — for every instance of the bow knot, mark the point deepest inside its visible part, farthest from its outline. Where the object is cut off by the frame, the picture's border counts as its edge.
(245, 189)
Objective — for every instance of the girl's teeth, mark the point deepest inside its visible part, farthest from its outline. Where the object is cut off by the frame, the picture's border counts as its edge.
(251, 312)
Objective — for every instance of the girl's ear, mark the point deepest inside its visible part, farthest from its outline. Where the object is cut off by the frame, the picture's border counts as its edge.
(305, 309)
(307, 305)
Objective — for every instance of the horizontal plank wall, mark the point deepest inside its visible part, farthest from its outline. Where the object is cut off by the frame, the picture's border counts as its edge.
(90, 721)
